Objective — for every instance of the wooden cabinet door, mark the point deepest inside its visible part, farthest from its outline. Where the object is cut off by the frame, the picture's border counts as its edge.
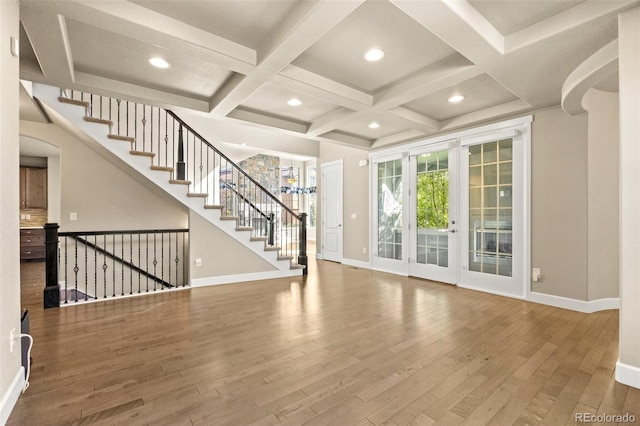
(35, 188)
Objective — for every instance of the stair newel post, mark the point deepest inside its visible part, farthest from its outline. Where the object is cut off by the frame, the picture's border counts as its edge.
(51, 292)
(180, 166)
(272, 224)
(302, 243)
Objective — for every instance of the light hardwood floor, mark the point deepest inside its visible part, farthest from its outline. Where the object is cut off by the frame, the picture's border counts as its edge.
(344, 346)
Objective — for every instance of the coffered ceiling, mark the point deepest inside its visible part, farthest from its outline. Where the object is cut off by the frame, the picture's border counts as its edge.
(242, 60)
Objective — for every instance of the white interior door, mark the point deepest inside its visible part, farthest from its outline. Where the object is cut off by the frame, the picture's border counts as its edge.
(434, 222)
(332, 211)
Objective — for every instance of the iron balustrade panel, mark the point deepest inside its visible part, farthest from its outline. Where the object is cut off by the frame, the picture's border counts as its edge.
(203, 169)
(107, 264)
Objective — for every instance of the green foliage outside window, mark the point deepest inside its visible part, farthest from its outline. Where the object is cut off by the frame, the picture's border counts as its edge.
(433, 200)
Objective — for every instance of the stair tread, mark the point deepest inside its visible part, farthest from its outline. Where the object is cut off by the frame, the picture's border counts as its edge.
(197, 194)
(258, 239)
(229, 218)
(162, 168)
(73, 101)
(98, 120)
(121, 138)
(272, 248)
(285, 257)
(244, 228)
(143, 153)
(296, 266)
(213, 206)
(180, 182)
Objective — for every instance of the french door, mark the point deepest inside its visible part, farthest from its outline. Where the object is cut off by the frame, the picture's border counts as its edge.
(455, 212)
(433, 210)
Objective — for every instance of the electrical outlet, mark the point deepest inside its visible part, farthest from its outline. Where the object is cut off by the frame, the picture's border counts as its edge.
(364, 250)
(198, 262)
(12, 336)
(535, 274)
(73, 216)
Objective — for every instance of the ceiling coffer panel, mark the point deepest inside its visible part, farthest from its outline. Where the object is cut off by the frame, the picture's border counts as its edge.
(407, 45)
(479, 93)
(111, 55)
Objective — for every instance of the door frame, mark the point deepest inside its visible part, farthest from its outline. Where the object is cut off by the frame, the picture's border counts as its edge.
(338, 194)
(522, 128)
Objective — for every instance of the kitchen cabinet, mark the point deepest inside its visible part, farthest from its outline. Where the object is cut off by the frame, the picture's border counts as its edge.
(31, 244)
(33, 188)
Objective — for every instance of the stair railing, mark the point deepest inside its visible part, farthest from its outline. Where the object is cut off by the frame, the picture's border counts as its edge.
(193, 161)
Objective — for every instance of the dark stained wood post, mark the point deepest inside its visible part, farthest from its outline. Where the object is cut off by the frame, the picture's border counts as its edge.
(302, 255)
(180, 165)
(51, 290)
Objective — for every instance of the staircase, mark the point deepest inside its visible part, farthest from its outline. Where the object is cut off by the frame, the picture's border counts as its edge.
(167, 151)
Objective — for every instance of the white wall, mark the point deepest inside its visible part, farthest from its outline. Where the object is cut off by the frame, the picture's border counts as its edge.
(628, 367)
(603, 199)
(11, 374)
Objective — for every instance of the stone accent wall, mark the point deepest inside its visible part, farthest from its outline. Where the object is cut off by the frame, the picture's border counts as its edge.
(265, 169)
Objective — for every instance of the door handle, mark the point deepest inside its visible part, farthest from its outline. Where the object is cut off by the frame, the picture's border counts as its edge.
(339, 225)
(453, 231)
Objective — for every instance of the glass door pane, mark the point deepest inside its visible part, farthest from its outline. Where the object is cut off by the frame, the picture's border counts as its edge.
(490, 208)
(432, 208)
(389, 189)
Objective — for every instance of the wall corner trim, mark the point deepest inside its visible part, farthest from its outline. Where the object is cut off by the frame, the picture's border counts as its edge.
(628, 374)
(587, 307)
(10, 398)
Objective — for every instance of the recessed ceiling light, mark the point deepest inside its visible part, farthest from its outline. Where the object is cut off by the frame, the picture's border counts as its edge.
(294, 102)
(374, 55)
(159, 62)
(374, 125)
(456, 98)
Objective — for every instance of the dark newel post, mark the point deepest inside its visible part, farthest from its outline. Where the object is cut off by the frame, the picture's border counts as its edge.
(180, 169)
(51, 290)
(302, 256)
(272, 220)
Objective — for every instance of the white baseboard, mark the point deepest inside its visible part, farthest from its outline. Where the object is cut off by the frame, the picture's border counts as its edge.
(356, 263)
(628, 375)
(587, 307)
(10, 397)
(319, 256)
(255, 276)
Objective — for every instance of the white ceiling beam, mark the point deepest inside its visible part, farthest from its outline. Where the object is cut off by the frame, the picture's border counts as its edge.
(415, 118)
(50, 42)
(400, 137)
(118, 89)
(491, 113)
(457, 26)
(347, 139)
(99, 13)
(332, 120)
(564, 21)
(266, 120)
(449, 72)
(307, 23)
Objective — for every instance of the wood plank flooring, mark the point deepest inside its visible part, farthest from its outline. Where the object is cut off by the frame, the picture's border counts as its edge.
(343, 346)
